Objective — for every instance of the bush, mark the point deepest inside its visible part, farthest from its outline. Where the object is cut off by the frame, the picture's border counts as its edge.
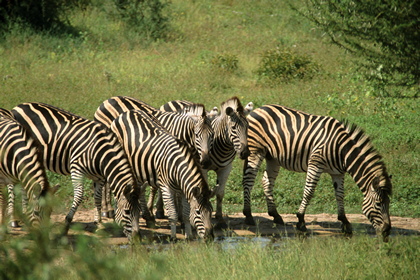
(145, 17)
(226, 62)
(39, 15)
(385, 33)
(282, 65)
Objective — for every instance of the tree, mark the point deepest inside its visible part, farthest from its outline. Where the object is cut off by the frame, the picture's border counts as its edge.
(385, 33)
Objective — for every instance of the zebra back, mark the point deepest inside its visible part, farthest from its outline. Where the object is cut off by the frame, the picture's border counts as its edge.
(165, 162)
(179, 125)
(20, 161)
(83, 148)
(6, 113)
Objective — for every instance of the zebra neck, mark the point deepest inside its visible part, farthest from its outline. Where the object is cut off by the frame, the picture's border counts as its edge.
(363, 166)
(221, 133)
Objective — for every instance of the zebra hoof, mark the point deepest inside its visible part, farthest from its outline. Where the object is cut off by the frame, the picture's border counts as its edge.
(278, 220)
(14, 224)
(160, 215)
(301, 227)
(249, 220)
(150, 224)
(220, 225)
(347, 229)
(111, 214)
(105, 214)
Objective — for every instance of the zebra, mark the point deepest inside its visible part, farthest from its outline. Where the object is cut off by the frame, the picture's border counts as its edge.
(230, 138)
(167, 163)
(191, 127)
(21, 162)
(75, 146)
(302, 142)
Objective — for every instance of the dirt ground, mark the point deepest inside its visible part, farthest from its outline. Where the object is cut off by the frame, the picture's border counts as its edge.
(318, 225)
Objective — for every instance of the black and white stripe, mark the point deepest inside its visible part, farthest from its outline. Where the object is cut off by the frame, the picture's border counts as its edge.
(313, 144)
(192, 126)
(21, 162)
(230, 139)
(165, 162)
(81, 148)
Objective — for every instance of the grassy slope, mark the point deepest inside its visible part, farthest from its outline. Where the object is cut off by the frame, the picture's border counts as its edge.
(70, 72)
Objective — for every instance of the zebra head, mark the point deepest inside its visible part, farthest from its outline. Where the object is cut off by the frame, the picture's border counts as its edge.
(237, 126)
(127, 213)
(203, 131)
(201, 211)
(376, 203)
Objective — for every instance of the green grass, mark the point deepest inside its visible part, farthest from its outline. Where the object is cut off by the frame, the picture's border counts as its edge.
(79, 73)
(361, 257)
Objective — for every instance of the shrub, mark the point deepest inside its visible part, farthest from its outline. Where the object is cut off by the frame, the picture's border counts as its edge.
(39, 15)
(227, 62)
(145, 17)
(384, 33)
(282, 65)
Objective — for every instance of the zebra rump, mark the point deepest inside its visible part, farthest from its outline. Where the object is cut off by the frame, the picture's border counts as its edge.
(21, 162)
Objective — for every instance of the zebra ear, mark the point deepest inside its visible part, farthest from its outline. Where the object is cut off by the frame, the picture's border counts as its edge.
(375, 183)
(196, 192)
(229, 111)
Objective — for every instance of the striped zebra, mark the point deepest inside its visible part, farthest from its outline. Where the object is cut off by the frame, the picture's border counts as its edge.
(313, 144)
(230, 138)
(191, 127)
(11, 188)
(167, 163)
(81, 148)
(21, 162)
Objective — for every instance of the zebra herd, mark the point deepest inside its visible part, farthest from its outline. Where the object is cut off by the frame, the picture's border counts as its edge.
(131, 145)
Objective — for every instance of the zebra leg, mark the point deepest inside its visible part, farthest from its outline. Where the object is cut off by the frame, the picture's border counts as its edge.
(104, 201)
(269, 177)
(185, 210)
(160, 212)
(11, 206)
(169, 201)
(99, 198)
(111, 211)
(146, 214)
(251, 166)
(338, 183)
(312, 178)
(151, 200)
(222, 176)
(77, 200)
(3, 205)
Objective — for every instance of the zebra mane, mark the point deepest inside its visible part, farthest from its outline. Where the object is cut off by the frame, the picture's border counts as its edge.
(363, 141)
(195, 109)
(6, 113)
(234, 103)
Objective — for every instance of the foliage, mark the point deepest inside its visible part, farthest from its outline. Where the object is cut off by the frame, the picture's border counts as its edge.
(144, 16)
(36, 256)
(283, 64)
(226, 62)
(386, 34)
(39, 15)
